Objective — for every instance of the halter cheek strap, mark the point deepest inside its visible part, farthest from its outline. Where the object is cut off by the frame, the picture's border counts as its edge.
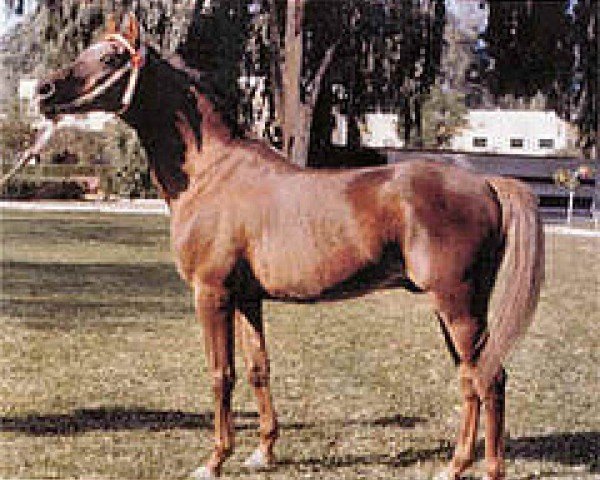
(134, 65)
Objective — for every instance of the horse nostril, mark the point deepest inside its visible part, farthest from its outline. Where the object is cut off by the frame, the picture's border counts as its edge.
(46, 89)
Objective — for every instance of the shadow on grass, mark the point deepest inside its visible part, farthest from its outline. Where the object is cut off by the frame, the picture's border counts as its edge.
(111, 419)
(577, 448)
(116, 419)
(55, 295)
(571, 449)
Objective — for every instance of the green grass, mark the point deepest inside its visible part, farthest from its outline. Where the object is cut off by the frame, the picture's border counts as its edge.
(102, 371)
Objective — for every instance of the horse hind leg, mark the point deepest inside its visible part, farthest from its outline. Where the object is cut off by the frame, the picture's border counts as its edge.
(493, 406)
(464, 453)
(462, 314)
(250, 326)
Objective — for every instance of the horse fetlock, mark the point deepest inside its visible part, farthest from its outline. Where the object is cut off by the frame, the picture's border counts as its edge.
(460, 462)
(212, 468)
(268, 436)
(259, 460)
(270, 432)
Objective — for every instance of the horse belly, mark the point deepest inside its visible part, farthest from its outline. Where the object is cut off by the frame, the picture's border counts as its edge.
(388, 271)
(301, 267)
(311, 274)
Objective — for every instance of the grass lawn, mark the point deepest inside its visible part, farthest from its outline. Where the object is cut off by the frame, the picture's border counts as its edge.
(102, 372)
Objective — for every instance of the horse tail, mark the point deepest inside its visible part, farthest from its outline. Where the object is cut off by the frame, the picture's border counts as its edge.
(522, 269)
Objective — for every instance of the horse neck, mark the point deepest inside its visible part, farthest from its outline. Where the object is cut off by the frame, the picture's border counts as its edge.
(179, 127)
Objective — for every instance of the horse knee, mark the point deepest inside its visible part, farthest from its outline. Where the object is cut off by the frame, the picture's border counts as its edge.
(223, 383)
(497, 386)
(258, 374)
(467, 389)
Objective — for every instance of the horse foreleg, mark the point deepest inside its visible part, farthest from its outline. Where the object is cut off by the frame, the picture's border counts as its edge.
(216, 315)
(250, 327)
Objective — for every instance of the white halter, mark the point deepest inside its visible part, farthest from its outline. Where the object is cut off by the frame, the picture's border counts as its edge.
(134, 65)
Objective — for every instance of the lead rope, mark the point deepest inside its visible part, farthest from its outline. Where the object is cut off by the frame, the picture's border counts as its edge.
(27, 155)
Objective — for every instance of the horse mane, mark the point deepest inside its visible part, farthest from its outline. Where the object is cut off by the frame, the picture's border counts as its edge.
(207, 84)
(170, 86)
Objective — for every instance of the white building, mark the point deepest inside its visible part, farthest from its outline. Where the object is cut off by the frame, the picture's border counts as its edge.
(377, 130)
(380, 130)
(12, 12)
(520, 132)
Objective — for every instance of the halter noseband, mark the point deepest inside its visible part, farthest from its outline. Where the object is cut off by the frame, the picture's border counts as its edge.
(134, 65)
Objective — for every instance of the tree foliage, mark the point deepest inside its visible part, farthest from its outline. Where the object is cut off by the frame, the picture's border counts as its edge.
(550, 49)
(585, 87)
(531, 49)
(16, 133)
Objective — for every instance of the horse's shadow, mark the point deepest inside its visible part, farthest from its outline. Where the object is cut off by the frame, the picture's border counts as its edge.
(118, 418)
(109, 419)
(571, 449)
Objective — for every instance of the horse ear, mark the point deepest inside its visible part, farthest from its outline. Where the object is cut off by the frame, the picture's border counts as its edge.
(110, 24)
(131, 30)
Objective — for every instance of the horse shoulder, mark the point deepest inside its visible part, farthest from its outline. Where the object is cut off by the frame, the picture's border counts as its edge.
(204, 243)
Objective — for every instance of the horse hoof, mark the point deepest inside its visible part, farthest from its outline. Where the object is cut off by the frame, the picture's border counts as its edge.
(446, 475)
(202, 473)
(257, 461)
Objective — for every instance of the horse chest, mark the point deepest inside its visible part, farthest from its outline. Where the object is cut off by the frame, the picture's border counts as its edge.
(204, 249)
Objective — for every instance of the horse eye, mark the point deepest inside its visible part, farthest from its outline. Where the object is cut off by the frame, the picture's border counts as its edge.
(109, 59)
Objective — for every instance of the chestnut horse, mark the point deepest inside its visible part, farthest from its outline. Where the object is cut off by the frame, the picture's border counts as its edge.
(246, 226)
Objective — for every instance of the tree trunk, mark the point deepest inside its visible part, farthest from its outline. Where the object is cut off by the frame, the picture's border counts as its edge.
(418, 122)
(407, 121)
(293, 118)
(296, 115)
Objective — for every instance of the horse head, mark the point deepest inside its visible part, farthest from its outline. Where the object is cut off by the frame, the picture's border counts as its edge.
(102, 78)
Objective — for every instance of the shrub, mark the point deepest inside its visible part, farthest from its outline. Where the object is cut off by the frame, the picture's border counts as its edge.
(18, 189)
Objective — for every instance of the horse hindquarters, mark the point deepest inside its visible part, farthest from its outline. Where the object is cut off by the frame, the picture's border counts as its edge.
(481, 346)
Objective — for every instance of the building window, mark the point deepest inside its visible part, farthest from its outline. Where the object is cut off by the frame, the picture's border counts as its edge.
(546, 143)
(516, 143)
(480, 142)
